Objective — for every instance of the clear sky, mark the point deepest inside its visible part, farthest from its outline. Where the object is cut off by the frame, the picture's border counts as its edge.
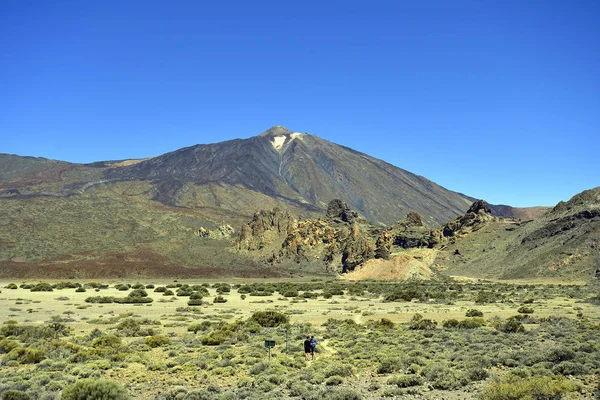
(499, 100)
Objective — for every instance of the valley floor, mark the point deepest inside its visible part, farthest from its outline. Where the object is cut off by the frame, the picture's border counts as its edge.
(456, 339)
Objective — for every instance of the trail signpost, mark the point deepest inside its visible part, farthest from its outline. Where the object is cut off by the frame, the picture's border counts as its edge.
(269, 344)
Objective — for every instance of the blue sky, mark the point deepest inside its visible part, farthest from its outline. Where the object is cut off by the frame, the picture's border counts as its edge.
(499, 100)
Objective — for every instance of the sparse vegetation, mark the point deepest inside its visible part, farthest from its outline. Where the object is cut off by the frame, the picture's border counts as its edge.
(368, 347)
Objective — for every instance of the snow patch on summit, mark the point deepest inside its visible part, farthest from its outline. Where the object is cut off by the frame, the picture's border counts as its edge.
(278, 142)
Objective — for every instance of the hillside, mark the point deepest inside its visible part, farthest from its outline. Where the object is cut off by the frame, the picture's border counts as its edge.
(185, 213)
(564, 242)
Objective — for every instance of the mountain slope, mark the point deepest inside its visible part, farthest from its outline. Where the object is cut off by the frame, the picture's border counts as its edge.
(163, 216)
(564, 242)
(301, 169)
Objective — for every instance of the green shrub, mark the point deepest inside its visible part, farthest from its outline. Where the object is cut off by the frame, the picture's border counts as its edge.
(133, 300)
(108, 341)
(42, 287)
(474, 313)
(223, 289)
(213, 339)
(91, 389)
(537, 387)
(202, 326)
(388, 365)
(269, 319)
(26, 355)
(160, 289)
(383, 323)
(15, 395)
(465, 324)
(403, 381)
(197, 296)
(100, 299)
(334, 380)
(289, 293)
(80, 289)
(419, 323)
(339, 369)
(219, 299)
(525, 310)
(339, 393)
(157, 341)
(451, 323)
(12, 286)
(511, 325)
(7, 345)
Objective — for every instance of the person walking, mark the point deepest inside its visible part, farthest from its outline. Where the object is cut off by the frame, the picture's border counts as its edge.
(307, 348)
(313, 346)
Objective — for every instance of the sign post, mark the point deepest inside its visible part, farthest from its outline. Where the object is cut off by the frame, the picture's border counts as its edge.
(269, 344)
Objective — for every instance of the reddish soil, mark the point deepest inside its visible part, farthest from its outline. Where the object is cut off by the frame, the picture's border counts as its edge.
(122, 265)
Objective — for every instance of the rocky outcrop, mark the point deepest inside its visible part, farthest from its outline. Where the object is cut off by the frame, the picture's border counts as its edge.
(222, 232)
(411, 233)
(473, 219)
(384, 244)
(356, 250)
(266, 227)
(338, 209)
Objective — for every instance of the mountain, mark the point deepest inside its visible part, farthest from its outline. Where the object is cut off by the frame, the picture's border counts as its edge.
(180, 213)
(302, 170)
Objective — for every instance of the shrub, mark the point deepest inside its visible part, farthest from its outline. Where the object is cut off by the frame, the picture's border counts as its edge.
(537, 387)
(213, 339)
(289, 293)
(474, 313)
(80, 289)
(15, 395)
(42, 287)
(419, 323)
(26, 355)
(339, 370)
(202, 326)
(466, 324)
(160, 289)
(334, 380)
(108, 341)
(12, 286)
(389, 365)
(269, 319)
(341, 393)
(223, 289)
(100, 299)
(219, 299)
(196, 296)
(525, 310)
(133, 300)
(403, 381)
(157, 341)
(383, 323)
(129, 327)
(90, 389)
(511, 325)
(450, 324)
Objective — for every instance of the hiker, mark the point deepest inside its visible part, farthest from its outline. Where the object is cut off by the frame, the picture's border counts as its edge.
(307, 348)
(313, 346)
